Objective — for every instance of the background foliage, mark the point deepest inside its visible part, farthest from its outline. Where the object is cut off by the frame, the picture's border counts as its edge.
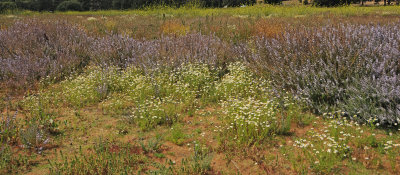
(77, 5)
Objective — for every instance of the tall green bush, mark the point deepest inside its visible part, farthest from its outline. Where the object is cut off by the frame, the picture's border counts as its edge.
(273, 1)
(5, 6)
(330, 3)
(69, 6)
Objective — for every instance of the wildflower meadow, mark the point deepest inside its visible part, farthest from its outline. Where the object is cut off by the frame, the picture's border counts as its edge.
(257, 89)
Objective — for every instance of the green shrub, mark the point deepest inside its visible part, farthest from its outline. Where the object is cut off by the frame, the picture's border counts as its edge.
(230, 3)
(273, 1)
(8, 128)
(326, 149)
(153, 145)
(152, 113)
(107, 158)
(177, 135)
(91, 87)
(240, 82)
(329, 3)
(40, 109)
(6, 6)
(199, 163)
(10, 163)
(195, 81)
(117, 105)
(69, 6)
(34, 138)
(250, 121)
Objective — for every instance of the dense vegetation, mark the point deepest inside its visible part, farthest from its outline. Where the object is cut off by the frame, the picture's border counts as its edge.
(78, 5)
(158, 92)
(50, 5)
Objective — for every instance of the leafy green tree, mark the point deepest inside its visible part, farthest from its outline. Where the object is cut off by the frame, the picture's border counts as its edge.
(96, 4)
(330, 3)
(121, 4)
(69, 6)
(273, 1)
(5, 6)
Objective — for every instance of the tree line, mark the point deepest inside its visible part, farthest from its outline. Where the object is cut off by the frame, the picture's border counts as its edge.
(348, 2)
(85, 5)
(61, 5)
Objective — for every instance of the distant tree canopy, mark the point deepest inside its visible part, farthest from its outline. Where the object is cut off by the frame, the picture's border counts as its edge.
(330, 3)
(69, 6)
(4, 6)
(52, 5)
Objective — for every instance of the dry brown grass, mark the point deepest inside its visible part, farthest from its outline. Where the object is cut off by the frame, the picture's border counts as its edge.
(174, 28)
(267, 28)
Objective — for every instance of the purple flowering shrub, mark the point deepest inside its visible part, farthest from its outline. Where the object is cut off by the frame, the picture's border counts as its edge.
(31, 50)
(123, 51)
(351, 68)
